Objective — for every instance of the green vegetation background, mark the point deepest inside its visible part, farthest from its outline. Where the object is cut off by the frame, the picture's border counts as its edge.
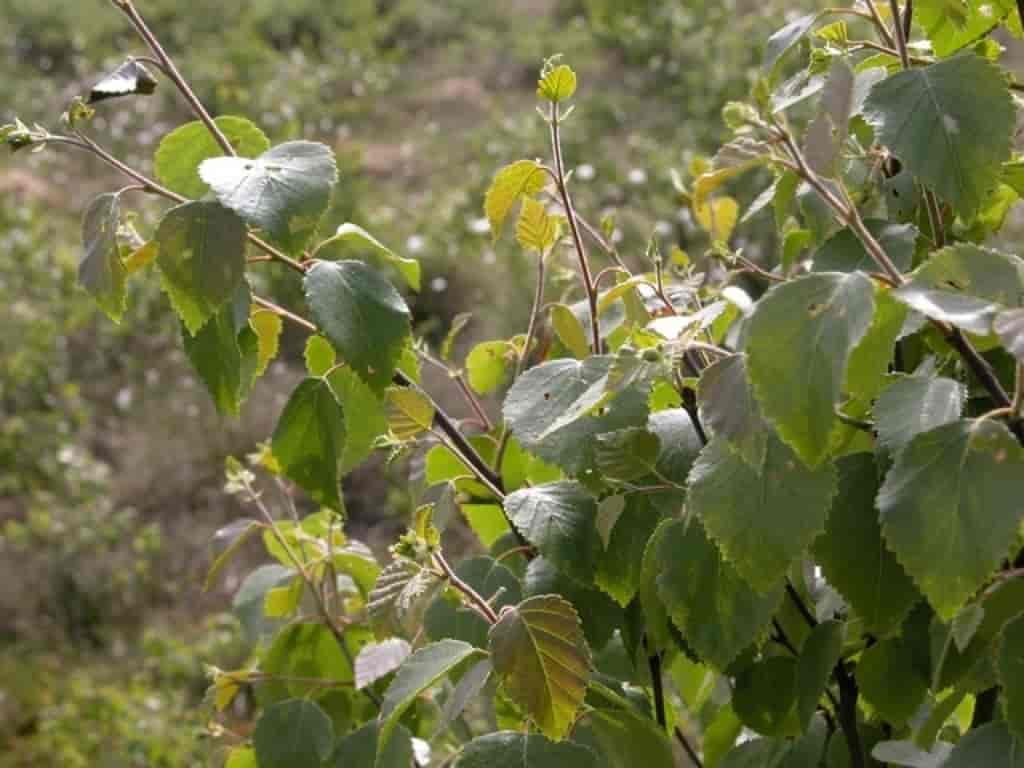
(109, 453)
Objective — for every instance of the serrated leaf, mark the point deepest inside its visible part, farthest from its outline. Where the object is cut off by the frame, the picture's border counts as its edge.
(361, 314)
(309, 440)
(915, 404)
(130, 79)
(719, 614)
(949, 123)
(359, 748)
(1010, 667)
(765, 697)
(506, 749)
(420, 671)
(570, 330)
(818, 657)
(557, 85)
(627, 454)
(844, 252)
(319, 356)
(537, 647)
(599, 614)
(487, 365)
(950, 508)
(620, 564)
(306, 652)
(268, 327)
(409, 412)
(718, 217)
(352, 234)
(378, 660)
(559, 519)
(873, 356)
(293, 734)
(201, 259)
(624, 738)
(729, 408)
(522, 178)
(890, 680)
(761, 517)
(400, 597)
(101, 271)
(1010, 327)
(181, 152)
(853, 555)
(965, 285)
(785, 38)
(536, 230)
(800, 339)
(283, 192)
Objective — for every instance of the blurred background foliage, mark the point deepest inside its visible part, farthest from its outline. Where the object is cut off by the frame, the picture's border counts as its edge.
(110, 456)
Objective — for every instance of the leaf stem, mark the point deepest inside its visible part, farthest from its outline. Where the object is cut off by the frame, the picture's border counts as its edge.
(479, 603)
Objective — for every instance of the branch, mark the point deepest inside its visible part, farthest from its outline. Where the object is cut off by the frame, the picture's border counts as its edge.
(901, 34)
(476, 601)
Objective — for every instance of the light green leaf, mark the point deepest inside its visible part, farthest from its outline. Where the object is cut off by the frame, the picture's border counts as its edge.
(487, 365)
(853, 556)
(570, 330)
(310, 652)
(891, 681)
(844, 252)
(952, 25)
(965, 285)
(765, 697)
(365, 419)
(309, 440)
(785, 38)
(1010, 666)
(409, 412)
(560, 520)
(558, 84)
(620, 563)
(201, 259)
(717, 612)
(267, 327)
(359, 748)
(538, 649)
(801, 336)
(506, 749)
(293, 734)
(873, 356)
(355, 235)
(991, 746)
(283, 192)
(241, 757)
(950, 508)
(536, 230)
(101, 271)
(523, 178)
(915, 404)
(818, 657)
(761, 517)
(362, 315)
(181, 152)
(319, 356)
(949, 123)
(419, 672)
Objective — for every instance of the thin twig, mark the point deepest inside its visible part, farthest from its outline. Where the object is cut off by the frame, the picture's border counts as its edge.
(479, 603)
(899, 34)
(687, 747)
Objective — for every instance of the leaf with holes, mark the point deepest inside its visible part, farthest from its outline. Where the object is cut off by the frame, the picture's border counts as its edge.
(101, 271)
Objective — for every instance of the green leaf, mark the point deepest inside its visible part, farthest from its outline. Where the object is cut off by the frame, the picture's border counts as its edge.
(560, 520)
(241, 758)
(785, 38)
(818, 657)
(283, 192)
(309, 440)
(765, 697)
(801, 336)
(101, 271)
(570, 330)
(419, 672)
(293, 734)
(620, 563)
(359, 748)
(538, 649)
(310, 652)
(890, 680)
(949, 123)
(991, 745)
(201, 259)
(907, 753)
(623, 738)
(873, 356)
(410, 412)
(719, 614)
(230, 538)
(362, 315)
(268, 327)
(1010, 327)
(349, 233)
(761, 517)
(183, 150)
(506, 749)
(523, 178)
(806, 752)
(546, 393)
(536, 230)
(248, 601)
(627, 454)
(469, 687)
(401, 596)
(729, 408)
(950, 508)
(844, 252)
(951, 25)
(487, 365)
(915, 404)
(558, 84)
(1010, 667)
(131, 78)
(853, 556)
(448, 618)
(598, 612)
(965, 285)
(378, 660)
(365, 419)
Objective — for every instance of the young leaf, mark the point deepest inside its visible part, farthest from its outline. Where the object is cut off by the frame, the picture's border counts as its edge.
(268, 327)
(359, 748)
(718, 217)
(101, 271)
(201, 259)
(558, 84)
(409, 412)
(719, 614)
(915, 404)
(853, 555)
(891, 681)
(419, 672)
(570, 331)
(487, 365)
(309, 440)
(506, 749)
(283, 192)
(183, 150)
(786, 38)
(523, 178)
(293, 734)
(949, 123)
(401, 596)
(129, 79)
(801, 336)
(536, 230)
(950, 508)
(538, 649)
(1010, 666)
(363, 316)
(559, 519)
(349, 233)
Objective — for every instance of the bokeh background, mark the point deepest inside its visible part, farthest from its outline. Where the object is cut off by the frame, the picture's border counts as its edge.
(110, 456)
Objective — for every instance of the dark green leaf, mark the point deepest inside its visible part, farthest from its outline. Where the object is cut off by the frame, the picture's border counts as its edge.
(598, 612)
(873, 356)
(1011, 674)
(786, 38)
(450, 618)
(308, 651)
(129, 79)
(844, 252)
(283, 192)
(363, 316)
(359, 748)
(181, 152)
(623, 738)
(519, 750)
(309, 440)
(293, 734)
(991, 746)
(628, 454)
(201, 259)
(765, 697)
(950, 508)
(620, 563)
(353, 234)
(915, 404)
(729, 408)
(818, 657)
(890, 680)
(101, 271)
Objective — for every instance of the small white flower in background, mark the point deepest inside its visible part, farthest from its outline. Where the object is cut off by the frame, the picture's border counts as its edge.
(415, 243)
(617, 236)
(439, 284)
(637, 176)
(490, 257)
(124, 398)
(585, 172)
(480, 226)
(663, 228)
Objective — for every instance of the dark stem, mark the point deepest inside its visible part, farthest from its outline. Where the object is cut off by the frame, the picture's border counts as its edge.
(900, 35)
(847, 714)
(985, 707)
(475, 599)
(658, 687)
(908, 19)
(688, 748)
